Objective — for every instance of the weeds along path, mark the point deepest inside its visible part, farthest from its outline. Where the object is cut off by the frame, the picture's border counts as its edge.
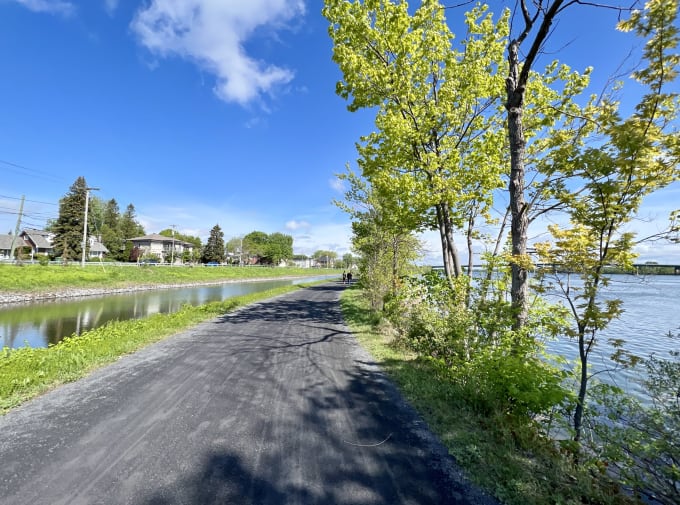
(272, 404)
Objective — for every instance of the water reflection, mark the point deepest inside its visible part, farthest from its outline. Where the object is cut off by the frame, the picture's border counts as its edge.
(48, 322)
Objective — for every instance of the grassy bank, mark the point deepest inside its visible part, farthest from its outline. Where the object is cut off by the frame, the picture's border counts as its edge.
(38, 278)
(27, 372)
(511, 462)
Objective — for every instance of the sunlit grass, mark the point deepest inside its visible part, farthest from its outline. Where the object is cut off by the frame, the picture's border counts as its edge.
(38, 278)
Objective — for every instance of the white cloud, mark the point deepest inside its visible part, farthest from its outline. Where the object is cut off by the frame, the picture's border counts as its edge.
(329, 237)
(212, 33)
(49, 6)
(111, 5)
(337, 185)
(296, 225)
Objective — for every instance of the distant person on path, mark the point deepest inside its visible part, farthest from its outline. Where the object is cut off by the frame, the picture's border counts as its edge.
(344, 277)
(349, 277)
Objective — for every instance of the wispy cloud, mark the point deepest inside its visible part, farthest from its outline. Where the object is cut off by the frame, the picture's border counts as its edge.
(111, 5)
(337, 185)
(60, 7)
(213, 34)
(296, 225)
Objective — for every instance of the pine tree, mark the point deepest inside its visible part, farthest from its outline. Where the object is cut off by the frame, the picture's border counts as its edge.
(129, 228)
(68, 228)
(214, 248)
(110, 230)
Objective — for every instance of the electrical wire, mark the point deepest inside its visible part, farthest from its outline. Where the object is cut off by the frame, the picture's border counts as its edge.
(30, 171)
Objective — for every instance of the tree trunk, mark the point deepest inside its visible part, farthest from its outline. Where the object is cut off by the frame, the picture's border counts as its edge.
(452, 267)
(518, 207)
(583, 385)
(515, 86)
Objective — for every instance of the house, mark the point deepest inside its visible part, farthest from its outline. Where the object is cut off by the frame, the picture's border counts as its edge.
(97, 249)
(161, 246)
(40, 241)
(6, 243)
(302, 261)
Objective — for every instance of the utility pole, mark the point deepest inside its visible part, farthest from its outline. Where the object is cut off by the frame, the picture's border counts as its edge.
(87, 202)
(172, 253)
(16, 229)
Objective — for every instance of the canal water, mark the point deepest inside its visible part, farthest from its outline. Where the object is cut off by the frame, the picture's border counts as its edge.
(47, 322)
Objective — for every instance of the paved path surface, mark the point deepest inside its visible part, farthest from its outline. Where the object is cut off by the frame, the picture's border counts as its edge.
(274, 404)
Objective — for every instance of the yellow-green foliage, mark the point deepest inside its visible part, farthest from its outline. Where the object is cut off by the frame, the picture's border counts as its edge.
(27, 372)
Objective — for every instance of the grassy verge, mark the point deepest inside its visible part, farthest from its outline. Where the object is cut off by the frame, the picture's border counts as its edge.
(508, 460)
(37, 278)
(27, 372)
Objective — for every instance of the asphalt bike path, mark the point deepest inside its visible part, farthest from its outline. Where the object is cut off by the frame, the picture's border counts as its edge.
(273, 404)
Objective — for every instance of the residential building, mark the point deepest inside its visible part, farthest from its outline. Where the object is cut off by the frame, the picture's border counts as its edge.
(40, 241)
(161, 246)
(6, 245)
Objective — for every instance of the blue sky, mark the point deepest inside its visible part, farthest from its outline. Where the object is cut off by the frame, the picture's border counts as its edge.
(231, 118)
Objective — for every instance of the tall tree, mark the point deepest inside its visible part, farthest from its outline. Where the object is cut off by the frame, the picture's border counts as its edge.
(129, 228)
(214, 247)
(436, 151)
(279, 248)
(255, 244)
(386, 251)
(110, 231)
(68, 228)
(327, 258)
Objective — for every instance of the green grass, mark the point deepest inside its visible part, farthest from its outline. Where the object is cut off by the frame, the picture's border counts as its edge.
(28, 372)
(507, 459)
(37, 278)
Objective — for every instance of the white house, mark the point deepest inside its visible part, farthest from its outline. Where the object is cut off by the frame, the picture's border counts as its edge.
(161, 246)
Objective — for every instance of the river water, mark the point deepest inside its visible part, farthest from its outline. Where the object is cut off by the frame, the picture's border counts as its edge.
(47, 322)
(651, 307)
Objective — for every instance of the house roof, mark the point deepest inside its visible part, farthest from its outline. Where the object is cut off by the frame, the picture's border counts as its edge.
(97, 246)
(40, 238)
(155, 237)
(6, 242)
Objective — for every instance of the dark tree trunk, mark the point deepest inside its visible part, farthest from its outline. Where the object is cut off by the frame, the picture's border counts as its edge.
(518, 207)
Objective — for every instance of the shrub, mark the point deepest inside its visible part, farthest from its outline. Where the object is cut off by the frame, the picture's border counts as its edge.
(43, 259)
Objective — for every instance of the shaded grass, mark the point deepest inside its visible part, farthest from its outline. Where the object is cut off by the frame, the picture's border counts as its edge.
(506, 457)
(29, 372)
(37, 278)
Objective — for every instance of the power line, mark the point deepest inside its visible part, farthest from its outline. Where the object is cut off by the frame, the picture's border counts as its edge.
(35, 173)
(32, 201)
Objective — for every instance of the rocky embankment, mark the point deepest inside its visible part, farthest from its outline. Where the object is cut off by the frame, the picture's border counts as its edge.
(60, 293)
(23, 297)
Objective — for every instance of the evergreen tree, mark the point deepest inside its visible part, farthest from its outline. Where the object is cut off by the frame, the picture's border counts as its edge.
(110, 230)
(214, 248)
(129, 228)
(68, 228)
